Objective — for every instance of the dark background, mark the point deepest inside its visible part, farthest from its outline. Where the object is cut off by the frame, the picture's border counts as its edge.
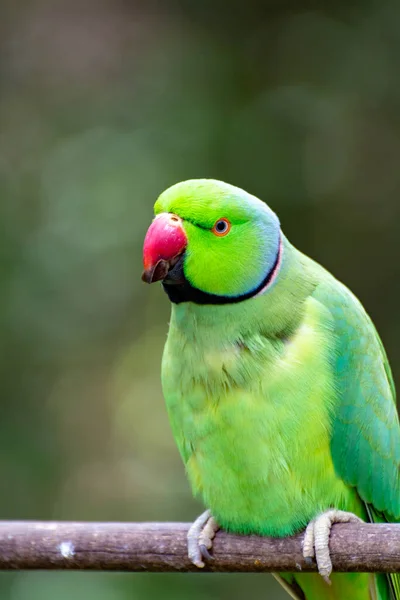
(103, 104)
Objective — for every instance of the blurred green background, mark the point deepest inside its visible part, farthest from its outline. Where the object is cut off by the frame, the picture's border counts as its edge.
(104, 104)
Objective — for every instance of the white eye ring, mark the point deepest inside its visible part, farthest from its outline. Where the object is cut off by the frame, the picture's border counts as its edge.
(221, 227)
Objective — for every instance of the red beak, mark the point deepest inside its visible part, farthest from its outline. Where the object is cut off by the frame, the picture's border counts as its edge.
(164, 243)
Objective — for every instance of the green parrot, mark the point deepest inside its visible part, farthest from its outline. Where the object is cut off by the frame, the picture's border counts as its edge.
(278, 388)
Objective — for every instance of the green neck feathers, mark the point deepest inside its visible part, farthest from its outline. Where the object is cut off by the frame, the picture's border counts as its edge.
(276, 313)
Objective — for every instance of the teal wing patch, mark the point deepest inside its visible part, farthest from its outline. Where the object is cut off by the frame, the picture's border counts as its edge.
(365, 441)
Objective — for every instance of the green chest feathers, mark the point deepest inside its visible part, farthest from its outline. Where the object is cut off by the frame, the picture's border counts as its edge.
(250, 424)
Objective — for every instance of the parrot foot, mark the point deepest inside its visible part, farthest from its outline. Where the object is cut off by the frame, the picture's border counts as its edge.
(316, 539)
(200, 537)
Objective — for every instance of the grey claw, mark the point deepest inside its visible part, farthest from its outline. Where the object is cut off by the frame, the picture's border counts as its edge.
(309, 561)
(205, 553)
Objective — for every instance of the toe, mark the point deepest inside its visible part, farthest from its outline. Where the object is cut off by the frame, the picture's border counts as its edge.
(308, 542)
(195, 555)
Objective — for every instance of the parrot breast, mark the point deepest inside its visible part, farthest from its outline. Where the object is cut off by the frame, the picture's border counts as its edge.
(250, 424)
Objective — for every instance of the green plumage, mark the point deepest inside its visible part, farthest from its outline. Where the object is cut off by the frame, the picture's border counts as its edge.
(282, 405)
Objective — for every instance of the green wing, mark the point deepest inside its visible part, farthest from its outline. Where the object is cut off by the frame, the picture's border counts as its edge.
(365, 441)
(366, 433)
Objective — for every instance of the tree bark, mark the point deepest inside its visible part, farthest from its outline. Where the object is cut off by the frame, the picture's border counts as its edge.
(161, 547)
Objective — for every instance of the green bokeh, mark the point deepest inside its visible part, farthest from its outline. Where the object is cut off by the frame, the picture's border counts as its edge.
(104, 104)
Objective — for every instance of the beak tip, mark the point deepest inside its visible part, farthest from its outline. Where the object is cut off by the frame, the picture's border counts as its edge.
(146, 277)
(156, 272)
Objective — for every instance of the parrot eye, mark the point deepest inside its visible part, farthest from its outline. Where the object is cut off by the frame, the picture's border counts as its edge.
(221, 227)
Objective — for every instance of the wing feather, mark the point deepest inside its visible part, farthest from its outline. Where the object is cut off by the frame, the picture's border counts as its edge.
(365, 442)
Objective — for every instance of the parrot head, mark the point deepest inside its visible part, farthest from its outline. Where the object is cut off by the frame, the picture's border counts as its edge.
(212, 243)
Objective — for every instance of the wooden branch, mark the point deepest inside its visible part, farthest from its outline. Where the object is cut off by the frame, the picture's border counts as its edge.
(162, 547)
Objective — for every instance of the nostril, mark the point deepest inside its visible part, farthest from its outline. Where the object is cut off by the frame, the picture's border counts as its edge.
(174, 218)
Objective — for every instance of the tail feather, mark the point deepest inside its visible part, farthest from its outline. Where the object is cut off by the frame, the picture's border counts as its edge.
(291, 587)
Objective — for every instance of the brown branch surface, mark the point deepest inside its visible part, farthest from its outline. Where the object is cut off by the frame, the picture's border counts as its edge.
(162, 547)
